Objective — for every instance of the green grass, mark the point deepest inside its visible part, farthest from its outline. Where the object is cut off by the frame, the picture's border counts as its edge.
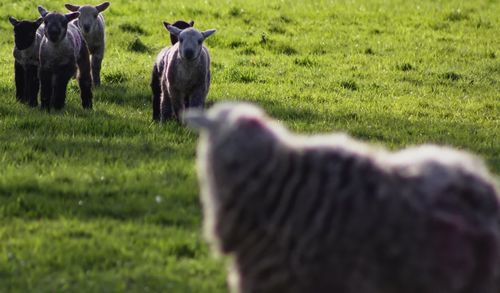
(106, 201)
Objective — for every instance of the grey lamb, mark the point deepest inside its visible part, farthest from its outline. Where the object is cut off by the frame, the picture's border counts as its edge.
(159, 66)
(27, 38)
(92, 26)
(185, 79)
(62, 50)
(326, 213)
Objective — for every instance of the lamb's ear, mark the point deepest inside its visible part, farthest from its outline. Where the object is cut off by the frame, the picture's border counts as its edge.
(71, 7)
(73, 15)
(208, 33)
(38, 22)
(43, 12)
(191, 23)
(13, 20)
(174, 30)
(166, 24)
(197, 119)
(103, 6)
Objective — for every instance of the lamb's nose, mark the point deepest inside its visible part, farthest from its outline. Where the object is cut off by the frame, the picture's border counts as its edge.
(86, 28)
(53, 31)
(53, 34)
(189, 54)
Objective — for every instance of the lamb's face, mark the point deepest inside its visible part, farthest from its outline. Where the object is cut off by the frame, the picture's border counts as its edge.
(235, 133)
(190, 41)
(56, 26)
(24, 32)
(224, 119)
(88, 21)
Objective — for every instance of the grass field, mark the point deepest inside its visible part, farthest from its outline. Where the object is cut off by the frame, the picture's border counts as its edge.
(106, 201)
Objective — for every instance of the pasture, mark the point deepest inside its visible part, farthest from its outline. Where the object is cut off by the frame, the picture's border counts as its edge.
(107, 201)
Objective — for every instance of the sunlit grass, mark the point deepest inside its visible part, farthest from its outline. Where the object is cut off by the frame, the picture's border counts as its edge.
(106, 201)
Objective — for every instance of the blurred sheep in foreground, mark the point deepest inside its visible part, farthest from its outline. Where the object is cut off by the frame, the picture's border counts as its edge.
(326, 213)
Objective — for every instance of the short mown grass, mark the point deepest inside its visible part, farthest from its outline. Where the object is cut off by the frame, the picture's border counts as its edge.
(107, 201)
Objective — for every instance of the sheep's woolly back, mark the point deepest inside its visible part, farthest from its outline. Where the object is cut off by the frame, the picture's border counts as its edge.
(330, 214)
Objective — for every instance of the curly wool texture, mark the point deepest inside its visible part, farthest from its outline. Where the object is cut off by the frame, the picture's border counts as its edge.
(302, 214)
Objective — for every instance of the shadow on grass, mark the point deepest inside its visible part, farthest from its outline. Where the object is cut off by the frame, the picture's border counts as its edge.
(120, 94)
(147, 174)
(65, 165)
(282, 111)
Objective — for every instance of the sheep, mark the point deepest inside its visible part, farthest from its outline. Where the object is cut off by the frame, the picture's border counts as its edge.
(181, 24)
(62, 49)
(185, 79)
(91, 24)
(326, 213)
(27, 37)
(159, 65)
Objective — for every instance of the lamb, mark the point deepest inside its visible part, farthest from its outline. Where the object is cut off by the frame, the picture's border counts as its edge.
(326, 213)
(92, 26)
(62, 49)
(185, 78)
(181, 24)
(159, 66)
(27, 37)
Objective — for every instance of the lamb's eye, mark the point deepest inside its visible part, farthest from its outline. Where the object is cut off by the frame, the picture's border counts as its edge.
(181, 40)
(200, 41)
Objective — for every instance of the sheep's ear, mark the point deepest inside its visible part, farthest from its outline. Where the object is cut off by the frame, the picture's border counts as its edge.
(103, 6)
(207, 33)
(191, 23)
(13, 20)
(71, 7)
(38, 22)
(174, 30)
(73, 15)
(197, 119)
(43, 12)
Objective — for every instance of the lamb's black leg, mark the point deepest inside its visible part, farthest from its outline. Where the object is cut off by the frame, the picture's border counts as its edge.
(19, 77)
(45, 88)
(96, 62)
(176, 100)
(165, 106)
(156, 89)
(62, 77)
(177, 106)
(197, 98)
(32, 85)
(84, 77)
